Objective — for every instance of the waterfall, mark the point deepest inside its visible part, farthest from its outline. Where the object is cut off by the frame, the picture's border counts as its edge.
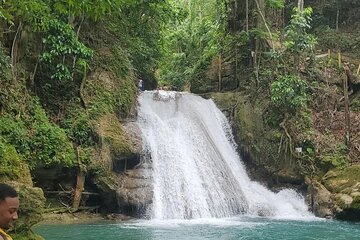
(196, 170)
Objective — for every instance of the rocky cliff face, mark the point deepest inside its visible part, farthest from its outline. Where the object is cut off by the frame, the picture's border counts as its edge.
(126, 186)
(258, 143)
(333, 194)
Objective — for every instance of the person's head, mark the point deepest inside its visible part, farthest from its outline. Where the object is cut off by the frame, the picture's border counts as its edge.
(9, 205)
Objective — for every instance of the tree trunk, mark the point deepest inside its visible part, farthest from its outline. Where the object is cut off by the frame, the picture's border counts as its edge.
(81, 89)
(261, 21)
(346, 102)
(247, 15)
(261, 24)
(235, 16)
(219, 73)
(14, 48)
(300, 5)
(236, 68)
(80, 181)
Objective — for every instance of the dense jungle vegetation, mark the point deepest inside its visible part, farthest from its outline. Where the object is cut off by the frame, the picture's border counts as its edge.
(67, 66)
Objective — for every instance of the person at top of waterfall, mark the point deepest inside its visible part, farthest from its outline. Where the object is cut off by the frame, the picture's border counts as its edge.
(141, 85)
(9, 205)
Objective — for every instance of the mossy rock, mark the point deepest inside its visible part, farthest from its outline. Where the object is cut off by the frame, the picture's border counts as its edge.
(10, 164)
(108, 183)
(345, 184)
(246, 117)
(19, 173)
(334, 160)
(31, 200)
(343, 180)
(349, 210)
(106, 92)
(111, 131)
(343, 201)
(258, 143)
(203, 80)
(356, 203)
(32, 203)
(321, 199)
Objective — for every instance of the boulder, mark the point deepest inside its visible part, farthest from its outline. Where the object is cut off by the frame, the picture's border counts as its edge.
(321, 200)
(345, 184)
(32, 204)
(126, 185)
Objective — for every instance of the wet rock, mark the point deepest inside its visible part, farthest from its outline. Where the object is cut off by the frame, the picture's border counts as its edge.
(136, 189)
(321, 199)
(117, 217)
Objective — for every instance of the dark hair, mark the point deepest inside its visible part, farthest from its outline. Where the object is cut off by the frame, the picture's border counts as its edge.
(7, 191)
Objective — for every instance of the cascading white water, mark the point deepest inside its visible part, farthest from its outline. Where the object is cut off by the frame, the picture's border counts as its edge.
(197, 172)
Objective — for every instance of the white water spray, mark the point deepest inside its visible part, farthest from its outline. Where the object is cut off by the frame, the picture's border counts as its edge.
(197, 172)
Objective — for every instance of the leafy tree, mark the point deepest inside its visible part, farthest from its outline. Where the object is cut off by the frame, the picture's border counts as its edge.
(297, 41)
(289, 93)
(277, 4)
(62, 48)
(93, 9)
(192, 40)
(142, 28)
(35, 13)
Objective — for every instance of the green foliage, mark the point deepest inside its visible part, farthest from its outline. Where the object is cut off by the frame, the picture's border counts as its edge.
(10, 160)
(327, 10)
(191, 42)
(143, 22)
(120, 63)
(4, 65)
(277, 4)
(333, 160)
(35, 13)
(331, 39)
(297, 40)
(37, 140)
(93, 9)
(125, 98)
(77, 126)
(48, 143)
(49, 146)
(39, 13)
(5, 15)
(133, 32)
(16, 133)
(31, 209)
(85, 155)
(119, 100)
(289, 92)
(62, 48)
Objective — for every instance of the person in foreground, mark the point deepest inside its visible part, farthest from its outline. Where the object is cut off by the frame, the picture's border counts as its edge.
(9, 205)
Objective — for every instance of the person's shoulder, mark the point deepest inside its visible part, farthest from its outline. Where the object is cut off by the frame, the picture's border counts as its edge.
(2, 235)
